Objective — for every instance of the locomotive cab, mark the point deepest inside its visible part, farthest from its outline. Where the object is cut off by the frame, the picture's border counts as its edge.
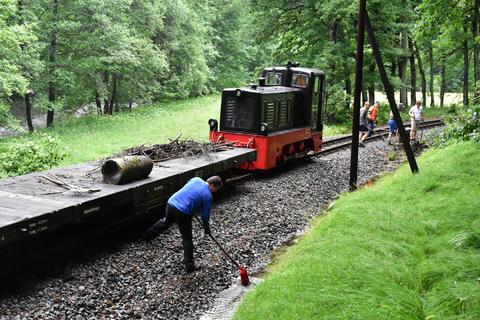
(285, 107)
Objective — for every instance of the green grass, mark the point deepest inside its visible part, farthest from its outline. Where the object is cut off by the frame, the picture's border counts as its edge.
(94, 137)
(406, 248)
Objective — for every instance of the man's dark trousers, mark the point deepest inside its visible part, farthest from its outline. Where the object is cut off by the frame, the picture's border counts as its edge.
(184, 223)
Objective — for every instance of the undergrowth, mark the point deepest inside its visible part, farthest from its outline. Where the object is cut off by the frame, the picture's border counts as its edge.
(26, 155)
(462, 127)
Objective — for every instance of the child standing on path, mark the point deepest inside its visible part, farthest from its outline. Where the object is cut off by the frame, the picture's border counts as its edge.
(392, 129)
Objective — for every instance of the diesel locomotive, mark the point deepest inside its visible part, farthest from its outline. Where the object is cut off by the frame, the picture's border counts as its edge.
(281, 116)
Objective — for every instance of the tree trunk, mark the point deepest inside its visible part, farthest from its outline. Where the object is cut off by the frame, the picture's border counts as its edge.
(390, 96)
(333, 37)
(28, 112)
(465, 63)
(413, 73)
(422, 74)
(106, 109)
(403, 78)
(403, 60)
(476, 75)
(364, 95)
(442, 86)
(346, 71)
(114, 92)
(371, 86)
(28, 104)
(98, 102)
(53, 59)
(371, 94)
(430, 54)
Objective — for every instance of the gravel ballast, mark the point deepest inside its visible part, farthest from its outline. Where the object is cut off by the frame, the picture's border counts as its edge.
(146, 280)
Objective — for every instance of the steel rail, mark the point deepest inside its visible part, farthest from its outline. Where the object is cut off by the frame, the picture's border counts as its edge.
(338, 143)
(345, 141)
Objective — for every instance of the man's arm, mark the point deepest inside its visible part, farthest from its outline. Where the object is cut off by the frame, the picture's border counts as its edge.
(206, 207)
(410, 112)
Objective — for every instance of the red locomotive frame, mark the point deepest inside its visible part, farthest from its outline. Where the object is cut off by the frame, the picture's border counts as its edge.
(274, 149)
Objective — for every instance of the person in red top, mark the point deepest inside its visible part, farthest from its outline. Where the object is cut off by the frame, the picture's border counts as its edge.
(372, 117)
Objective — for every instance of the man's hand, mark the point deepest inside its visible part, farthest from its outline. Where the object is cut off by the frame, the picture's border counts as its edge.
(206, 228)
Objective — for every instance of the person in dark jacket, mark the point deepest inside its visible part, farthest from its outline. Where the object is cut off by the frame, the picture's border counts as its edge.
(195, 196)
(363, 128)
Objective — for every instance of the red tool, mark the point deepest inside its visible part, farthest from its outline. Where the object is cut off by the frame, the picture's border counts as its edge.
(243, 270)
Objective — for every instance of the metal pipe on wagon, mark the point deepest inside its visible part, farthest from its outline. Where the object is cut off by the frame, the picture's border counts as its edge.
(126, 169)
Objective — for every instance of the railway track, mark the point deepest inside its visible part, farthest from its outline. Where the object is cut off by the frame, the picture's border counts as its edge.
(331, 145)
(336, 144)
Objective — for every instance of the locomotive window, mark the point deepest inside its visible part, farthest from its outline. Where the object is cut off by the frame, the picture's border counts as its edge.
(273, 79)
(300, 80)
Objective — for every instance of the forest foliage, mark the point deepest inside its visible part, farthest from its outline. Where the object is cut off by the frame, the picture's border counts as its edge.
(111, 54)
(61, 54)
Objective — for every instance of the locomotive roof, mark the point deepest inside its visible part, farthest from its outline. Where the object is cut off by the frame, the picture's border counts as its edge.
(270, 89)
(299, 69)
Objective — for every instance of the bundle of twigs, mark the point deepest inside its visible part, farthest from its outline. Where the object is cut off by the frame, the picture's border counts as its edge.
(177, 149)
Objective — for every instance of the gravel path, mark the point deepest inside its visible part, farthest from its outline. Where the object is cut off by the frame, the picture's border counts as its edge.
(140, 280)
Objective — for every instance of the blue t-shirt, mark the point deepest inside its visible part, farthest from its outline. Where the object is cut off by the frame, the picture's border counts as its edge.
(194, 196)
(392, 125)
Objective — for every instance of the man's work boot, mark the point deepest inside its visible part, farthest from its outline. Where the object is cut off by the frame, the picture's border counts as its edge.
(148, 235)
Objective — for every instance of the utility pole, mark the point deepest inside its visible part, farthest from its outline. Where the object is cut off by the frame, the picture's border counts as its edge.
(356, 96)
(390, 95)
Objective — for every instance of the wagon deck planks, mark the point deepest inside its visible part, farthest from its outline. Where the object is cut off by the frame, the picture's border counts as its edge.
(30, 204)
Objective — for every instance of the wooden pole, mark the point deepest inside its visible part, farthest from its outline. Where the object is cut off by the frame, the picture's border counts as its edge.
(390, 95)
(356, 95)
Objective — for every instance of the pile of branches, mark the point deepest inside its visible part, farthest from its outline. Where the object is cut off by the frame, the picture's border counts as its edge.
(177, 149)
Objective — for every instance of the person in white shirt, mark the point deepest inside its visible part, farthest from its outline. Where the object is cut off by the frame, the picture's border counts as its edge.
(416, 115)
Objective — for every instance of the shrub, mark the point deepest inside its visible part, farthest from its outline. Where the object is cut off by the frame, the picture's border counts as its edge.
(6, 118)
(464, 127)
(337, 105)
(33, 155)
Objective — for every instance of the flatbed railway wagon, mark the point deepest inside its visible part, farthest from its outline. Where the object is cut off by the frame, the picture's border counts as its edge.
(278, 119)
(34, 211)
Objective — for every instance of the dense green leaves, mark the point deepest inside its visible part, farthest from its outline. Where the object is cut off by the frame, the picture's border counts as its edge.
(464, 127)
(117, 53)
(12, 37)
(111, 54)
(28, 156)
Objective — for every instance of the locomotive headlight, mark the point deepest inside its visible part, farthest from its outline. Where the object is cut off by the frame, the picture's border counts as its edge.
(238, 92)
(263, 127)
(213, 124)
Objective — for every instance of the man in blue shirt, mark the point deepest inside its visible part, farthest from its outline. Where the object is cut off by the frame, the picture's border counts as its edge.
(195, 196)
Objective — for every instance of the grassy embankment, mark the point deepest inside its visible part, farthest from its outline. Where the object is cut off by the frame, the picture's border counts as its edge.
(406, 248)
(94, 137)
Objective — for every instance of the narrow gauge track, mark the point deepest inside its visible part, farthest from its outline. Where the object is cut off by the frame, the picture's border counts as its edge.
(334, 144)
(141, 280)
